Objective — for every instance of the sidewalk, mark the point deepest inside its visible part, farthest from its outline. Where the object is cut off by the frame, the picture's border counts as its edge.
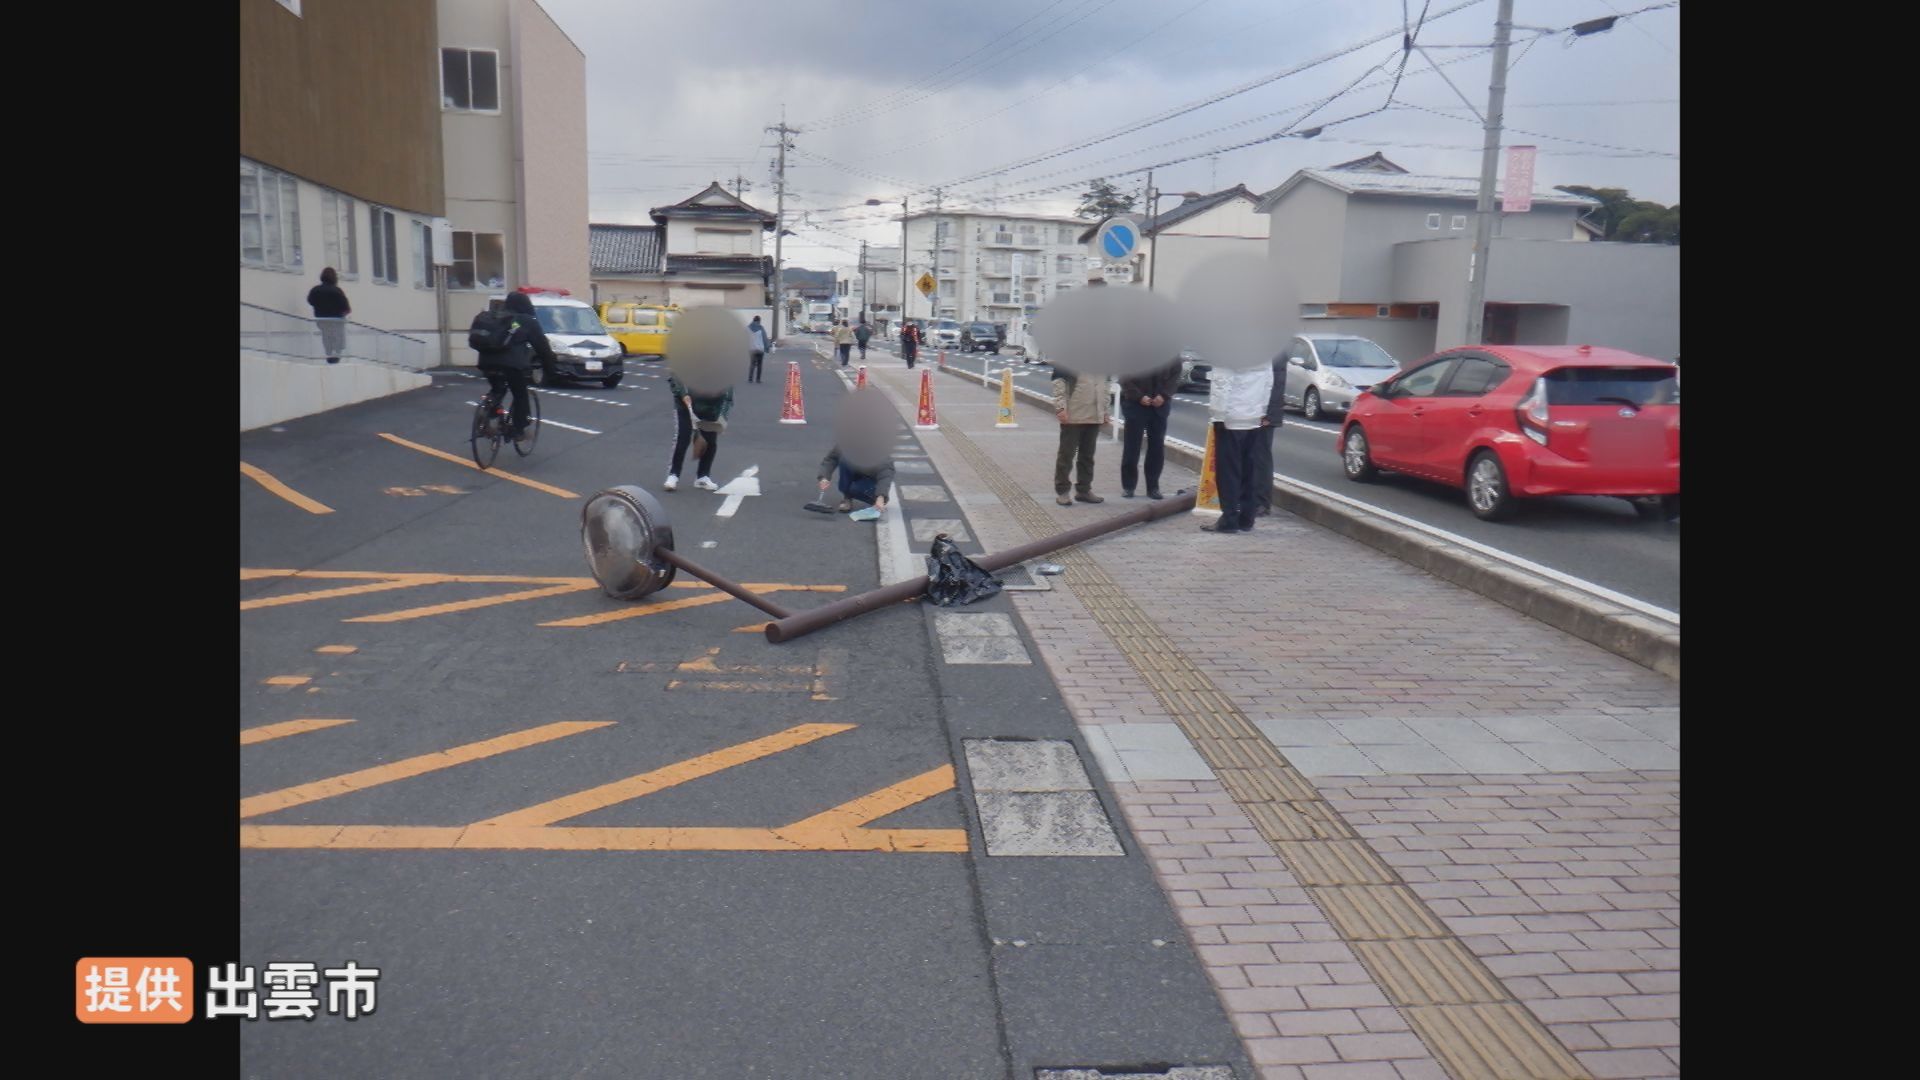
(1411, 832)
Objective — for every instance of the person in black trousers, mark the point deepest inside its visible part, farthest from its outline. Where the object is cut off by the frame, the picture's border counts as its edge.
(1263, 446)
(1237, 407)
(1145, 402)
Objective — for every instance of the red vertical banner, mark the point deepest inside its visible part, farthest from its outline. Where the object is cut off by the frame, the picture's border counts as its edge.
(1517, 195)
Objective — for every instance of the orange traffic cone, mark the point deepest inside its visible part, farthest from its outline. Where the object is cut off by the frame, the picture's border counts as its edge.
(1206, 501)
(928, 420)
(793, 410)
(860, 382)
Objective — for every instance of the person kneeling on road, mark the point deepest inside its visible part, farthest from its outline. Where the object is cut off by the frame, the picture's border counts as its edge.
(867, 487)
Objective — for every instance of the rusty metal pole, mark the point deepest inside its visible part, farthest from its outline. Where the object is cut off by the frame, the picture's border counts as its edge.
(806, 622)
(668, 555)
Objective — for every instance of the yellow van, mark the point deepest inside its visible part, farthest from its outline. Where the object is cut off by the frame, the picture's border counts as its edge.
(641, 329)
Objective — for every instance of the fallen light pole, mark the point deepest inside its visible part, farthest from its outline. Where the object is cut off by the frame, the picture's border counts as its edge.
(789, 627)
(629, 545)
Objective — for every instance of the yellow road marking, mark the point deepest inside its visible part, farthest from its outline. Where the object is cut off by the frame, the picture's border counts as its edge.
(854, 814)
(269, 732)
(705, 664)
(341, 649)
(414, 766)
(469, 605)
(646, 783)
(640, 612)
(495, 471)
(406, 581)
(288, 680)
(266, 480)
(476, 838)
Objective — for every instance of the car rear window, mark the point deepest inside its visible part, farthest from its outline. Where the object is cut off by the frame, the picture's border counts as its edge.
(646, 318)
(1636, 386)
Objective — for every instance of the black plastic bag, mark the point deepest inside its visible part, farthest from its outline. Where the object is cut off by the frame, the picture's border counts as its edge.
(952, 578)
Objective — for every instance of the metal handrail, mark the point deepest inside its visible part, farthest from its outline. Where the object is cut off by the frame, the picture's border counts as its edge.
(296, 337)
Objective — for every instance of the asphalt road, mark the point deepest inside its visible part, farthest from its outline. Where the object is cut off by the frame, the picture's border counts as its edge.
(1602, 541)
(549, 817)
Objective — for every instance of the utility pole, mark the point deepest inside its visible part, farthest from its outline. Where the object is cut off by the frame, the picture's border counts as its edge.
(866, 294)
(904, 285)
(1153, 211)
(933, 258)
(1489, 166)
(740, 184)
(780, 217)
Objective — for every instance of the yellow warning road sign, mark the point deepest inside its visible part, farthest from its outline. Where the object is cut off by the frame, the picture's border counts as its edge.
(926, 284)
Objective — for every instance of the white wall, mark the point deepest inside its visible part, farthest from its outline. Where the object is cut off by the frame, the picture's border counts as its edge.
(401, 308)
(1306, 232)
(273, 390)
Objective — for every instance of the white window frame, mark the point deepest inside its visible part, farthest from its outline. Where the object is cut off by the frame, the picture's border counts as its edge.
(1313, 311)
(473, 243)
(282, 191)
(1433, 221)
(340, 215)
(1065, 235)
(445, 105)
(1459, 221)
(422, 233)
(1382, 311)
(384, 246)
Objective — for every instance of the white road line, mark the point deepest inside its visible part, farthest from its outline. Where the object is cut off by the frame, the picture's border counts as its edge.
(583, 397)
(1452, 537)
(555, 423)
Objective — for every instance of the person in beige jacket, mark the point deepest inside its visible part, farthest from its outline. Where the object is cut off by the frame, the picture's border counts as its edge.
(843, 341)
(1080, 401)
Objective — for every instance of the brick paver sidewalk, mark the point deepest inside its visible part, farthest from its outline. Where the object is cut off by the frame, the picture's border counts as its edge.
(1508, 900)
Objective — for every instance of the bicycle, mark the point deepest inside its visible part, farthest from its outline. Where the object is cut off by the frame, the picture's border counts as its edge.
(491, 423)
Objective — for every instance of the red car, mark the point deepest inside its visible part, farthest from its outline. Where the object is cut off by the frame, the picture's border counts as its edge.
(1507, 422)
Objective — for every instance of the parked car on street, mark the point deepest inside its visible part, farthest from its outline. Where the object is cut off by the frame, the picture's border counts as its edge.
(980, 337)
(582, 348)
(1193, 372)
(942, 333)
(641, 330)
(1512, 422)
(1325, 371)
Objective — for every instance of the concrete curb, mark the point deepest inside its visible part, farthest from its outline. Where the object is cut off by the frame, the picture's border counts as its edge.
(1647, 641)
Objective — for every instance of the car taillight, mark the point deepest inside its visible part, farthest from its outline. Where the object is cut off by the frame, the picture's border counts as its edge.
(1532, 412)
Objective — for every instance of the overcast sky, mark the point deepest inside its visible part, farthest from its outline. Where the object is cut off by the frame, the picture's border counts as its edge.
(899, 97)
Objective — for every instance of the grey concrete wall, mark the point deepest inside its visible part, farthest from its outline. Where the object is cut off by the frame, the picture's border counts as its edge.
(1544, 325)
(550, 77)
(1304, 236)
(1375, 223)
(1622, 295)
(1626, 296)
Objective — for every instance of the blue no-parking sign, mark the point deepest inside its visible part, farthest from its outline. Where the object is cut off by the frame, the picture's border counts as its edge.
(1117, 239)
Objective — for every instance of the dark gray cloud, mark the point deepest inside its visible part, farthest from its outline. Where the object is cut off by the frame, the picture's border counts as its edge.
(678, 98)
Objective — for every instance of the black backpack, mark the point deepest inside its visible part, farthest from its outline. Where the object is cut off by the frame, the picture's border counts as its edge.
(492, 331)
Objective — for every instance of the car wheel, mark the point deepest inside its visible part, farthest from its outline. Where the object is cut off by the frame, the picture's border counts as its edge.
(1310, 407)
(1658, 508)
(1357, 456)
(610, 381)
(1487, 493)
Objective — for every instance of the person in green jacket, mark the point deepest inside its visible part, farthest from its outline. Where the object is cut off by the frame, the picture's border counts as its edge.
(709, 414)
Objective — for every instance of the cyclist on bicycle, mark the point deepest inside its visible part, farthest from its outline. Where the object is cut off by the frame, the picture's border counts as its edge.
(508, 368)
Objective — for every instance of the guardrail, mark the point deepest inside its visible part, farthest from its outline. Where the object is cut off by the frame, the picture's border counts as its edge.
(295, 337)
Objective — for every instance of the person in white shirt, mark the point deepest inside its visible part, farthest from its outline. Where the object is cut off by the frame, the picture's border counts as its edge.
(1237, 406)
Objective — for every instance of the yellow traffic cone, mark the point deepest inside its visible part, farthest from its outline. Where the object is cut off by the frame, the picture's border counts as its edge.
(1207, 500)
(1006, 400)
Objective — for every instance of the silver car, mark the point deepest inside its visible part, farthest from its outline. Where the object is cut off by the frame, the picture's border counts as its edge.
(1325, 372)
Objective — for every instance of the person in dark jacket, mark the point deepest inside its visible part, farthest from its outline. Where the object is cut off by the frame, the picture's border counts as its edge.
(709, 412)
(508, 368)
(1145, 402)
(330, 309)
(909, 342)
(869, 487)
(861, 334)
(1263, 446)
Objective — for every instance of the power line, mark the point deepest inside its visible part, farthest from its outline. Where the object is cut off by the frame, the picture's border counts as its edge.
(1556, 138)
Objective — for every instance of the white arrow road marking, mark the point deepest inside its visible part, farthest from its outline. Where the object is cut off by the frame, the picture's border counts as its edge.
(737, 490)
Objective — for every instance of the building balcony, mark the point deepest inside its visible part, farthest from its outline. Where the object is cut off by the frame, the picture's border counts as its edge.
(1013, 240)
